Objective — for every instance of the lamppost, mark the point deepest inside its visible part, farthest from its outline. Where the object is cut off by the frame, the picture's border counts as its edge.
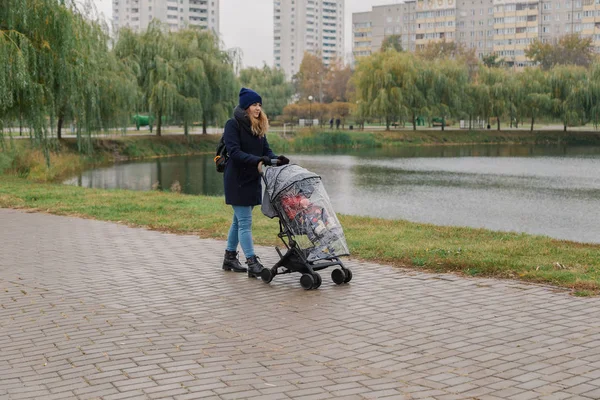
(310, 99)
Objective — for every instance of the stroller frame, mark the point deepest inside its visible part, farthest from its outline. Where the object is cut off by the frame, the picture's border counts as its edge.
(295, 260)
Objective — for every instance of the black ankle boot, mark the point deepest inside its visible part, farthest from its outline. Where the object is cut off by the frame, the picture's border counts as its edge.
(254, 267)
(231, 262)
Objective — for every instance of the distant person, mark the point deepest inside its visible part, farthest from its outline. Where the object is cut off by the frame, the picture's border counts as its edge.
(331, 123)
(247, 146)
(337, 123)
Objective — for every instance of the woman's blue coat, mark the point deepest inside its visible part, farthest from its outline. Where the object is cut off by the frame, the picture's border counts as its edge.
(242, 181)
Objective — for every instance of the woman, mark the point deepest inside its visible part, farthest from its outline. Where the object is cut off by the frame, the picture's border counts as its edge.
(247, 146)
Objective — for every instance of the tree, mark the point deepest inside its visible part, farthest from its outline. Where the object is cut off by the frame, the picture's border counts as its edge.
(492, 60)
(293, 112)
(418, 89)
(541, 53)
(536, 101)
(309, 79)
(494, 79)
(435, 51)
(591, 94)
(320, 111)
(271, 84)
(565, 91)
(392, 42)
(221, 96)
(476, 102)
(449, 87)
(59, 68)
(335, 86)
(183, 73)
(379, 80)
(570, 50)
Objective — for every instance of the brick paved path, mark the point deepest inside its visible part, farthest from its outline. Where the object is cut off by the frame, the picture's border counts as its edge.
(96, 310)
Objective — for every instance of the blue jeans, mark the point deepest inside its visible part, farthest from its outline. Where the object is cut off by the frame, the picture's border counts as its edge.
(241, 230)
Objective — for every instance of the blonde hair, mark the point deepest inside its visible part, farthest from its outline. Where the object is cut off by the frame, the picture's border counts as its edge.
(259, 125)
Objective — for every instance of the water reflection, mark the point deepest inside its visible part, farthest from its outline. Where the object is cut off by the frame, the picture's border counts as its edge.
(550, 190)
(196, 175)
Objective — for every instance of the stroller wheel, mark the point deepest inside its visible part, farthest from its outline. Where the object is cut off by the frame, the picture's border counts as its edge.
(338, 276)
(266, 275)
(318, 280)
(348, 276)
(307, 281)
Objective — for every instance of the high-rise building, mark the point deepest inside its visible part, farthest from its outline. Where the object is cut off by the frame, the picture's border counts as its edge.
(422, 21)
(362, 34)
(313, 26)
(177, 14)
(502, 27)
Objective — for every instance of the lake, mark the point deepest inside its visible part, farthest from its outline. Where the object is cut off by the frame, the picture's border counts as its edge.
(549, 190)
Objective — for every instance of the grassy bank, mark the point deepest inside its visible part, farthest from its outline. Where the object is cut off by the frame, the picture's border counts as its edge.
(305, 140)
(473, 252)
(19, 158)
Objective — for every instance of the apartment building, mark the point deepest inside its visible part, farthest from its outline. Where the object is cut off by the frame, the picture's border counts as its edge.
(503, 27)
(516, 26)
(422, 21)
(474, 25)
(177, 14)
(562, 17)
(362, 34)
(313, 26)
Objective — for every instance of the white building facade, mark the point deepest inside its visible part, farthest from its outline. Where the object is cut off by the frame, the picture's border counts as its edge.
(177, 14)
(313, 26)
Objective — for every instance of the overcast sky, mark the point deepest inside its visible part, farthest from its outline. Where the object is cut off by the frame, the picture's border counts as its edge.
(248, 24)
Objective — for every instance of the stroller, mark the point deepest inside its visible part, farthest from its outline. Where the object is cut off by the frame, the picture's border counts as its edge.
(308, 226)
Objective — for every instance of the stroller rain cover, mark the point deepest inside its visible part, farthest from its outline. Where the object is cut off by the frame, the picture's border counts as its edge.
(298, 197)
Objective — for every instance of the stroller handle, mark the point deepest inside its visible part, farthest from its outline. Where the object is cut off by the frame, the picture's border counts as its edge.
(274, 162)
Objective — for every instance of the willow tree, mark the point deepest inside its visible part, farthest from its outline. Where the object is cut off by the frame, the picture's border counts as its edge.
(474, 102)
(515, 96)
(494, 79)
(378, 81)
(418, 88)
(150, 55)
(35, 37)
(103, 89)
(536, 99)
(117, 92)
(184, 74)
(591, 94)
(271, 84)
(22, 94)
(57, 69)
(565, 93)
(220, 97)
(451, 79)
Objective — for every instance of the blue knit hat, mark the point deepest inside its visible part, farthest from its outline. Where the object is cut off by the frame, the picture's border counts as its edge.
(248, 97)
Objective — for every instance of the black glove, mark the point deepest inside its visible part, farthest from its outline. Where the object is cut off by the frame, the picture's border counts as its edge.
(265, 160)
(283, 160)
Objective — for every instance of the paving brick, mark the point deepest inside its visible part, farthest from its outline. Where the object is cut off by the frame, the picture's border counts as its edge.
(113, 312)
